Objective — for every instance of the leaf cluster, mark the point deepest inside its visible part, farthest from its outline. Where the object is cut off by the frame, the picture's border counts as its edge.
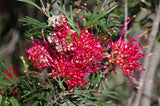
(35, 27)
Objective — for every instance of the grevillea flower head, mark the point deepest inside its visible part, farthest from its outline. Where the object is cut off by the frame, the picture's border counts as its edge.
(39, 54)
(87, 46)
(126, 54)
(74, 73)
(69, 55)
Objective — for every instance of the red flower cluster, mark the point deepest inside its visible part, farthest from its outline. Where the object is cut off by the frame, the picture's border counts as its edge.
(39, 54)
(74, 56)
(126, 54)
(68, 55)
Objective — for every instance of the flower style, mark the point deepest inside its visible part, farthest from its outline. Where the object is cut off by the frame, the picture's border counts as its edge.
(126, 54)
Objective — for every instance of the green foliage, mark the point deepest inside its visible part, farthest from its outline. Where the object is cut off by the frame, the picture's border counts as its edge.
(101, 20)
(147, 20)
(36, 26)
(8, 101)
(32, 3)
(5, 80)
(7, 86)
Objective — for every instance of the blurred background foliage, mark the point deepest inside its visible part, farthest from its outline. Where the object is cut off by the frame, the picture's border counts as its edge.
(13, 39)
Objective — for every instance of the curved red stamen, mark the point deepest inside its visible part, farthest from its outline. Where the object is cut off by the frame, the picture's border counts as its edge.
(142, 76)
(125, 25)
(133, 83)
(110, 20)
(104, 33)
(73, 89)
(79, 23)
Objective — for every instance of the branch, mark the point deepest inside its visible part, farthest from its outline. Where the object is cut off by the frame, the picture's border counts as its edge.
(126, 15)
(147, 92)
(55, 7)
(151, 41)
(10, 47)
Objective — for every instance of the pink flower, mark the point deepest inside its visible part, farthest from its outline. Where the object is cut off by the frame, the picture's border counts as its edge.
(74, 73)
(87, 46)
(126, 54)
(39, 54)
(69, 55)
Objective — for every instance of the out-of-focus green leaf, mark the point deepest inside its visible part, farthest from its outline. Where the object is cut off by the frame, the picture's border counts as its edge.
(14, 101)
(32, 3)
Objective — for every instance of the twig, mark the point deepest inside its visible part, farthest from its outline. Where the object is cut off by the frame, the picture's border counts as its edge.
(147, 92)
(147, 60)
(60, 97)
(55, 7)
(126, 14)
(159, 101)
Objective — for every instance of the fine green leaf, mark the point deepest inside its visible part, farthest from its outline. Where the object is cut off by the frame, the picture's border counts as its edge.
(14, 101)
(36, 103)
(32, 3)
(32, 97)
